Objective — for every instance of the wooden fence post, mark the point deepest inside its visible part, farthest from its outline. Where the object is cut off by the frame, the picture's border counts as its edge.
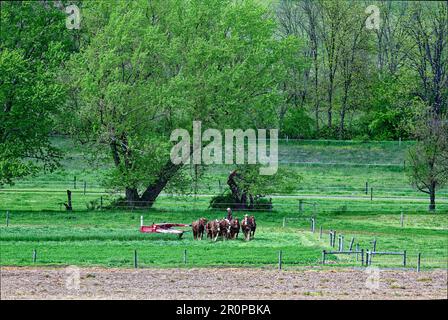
(367, 187)
(374, 245)
(323, 256)
(357, 251)
(74, 182)
(402, 219)
(351, 244)
(312, 224)
(418, 261)
(34, 255)
(68, 205)
(362, 257)
(331, 238)
(7, 218)
(334, 238)
(404, 258)
(280, 260)
(135, 259)
(185, 256)
(371, 194)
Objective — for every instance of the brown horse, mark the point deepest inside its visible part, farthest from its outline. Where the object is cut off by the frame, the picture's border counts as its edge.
(253, 226)
(248, 226)
(224, 229)
(234, 228)
(212, 229)
(198, 228)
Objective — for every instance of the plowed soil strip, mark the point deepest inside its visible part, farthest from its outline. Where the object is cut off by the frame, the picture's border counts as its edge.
(222, 283)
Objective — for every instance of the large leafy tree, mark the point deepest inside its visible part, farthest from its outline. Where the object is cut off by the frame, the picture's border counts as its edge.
(151, 67)
(34, 43)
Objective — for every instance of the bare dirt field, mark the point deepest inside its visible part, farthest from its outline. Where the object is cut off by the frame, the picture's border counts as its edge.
(222, 283)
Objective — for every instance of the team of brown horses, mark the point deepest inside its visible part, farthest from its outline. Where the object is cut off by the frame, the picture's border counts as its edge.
(224, 228)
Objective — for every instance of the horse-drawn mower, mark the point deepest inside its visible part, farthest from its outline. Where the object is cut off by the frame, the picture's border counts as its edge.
(163, 228)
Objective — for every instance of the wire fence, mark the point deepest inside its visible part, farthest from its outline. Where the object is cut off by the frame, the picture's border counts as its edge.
(279, 257)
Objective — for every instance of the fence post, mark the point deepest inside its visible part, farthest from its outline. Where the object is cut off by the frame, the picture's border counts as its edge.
(339, 242)
(371, 194)
(74, 182)
(7, 218)
(418, 261)
(404, 258)
(367, 187)
(323, 256)
(331, 238)
(280, 260)
(357, 251)
(362, 257)
(342, 242)
(402, 218)
(34, 255)
(351, 244)
(374, 245)
(185, 256)
(334, 238)
(320, 233)
(135, 259)
(312, 224)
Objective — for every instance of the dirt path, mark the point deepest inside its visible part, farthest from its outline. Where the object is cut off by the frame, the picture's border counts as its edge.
(102, 283)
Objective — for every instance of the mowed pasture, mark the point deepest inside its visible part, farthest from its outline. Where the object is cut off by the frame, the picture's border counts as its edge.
(332, 190)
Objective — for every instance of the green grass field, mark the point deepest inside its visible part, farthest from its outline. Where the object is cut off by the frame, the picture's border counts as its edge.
(333, 190)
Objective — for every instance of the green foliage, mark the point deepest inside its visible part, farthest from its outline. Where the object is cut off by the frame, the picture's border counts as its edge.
(149, 68)
(298, 124)
(226, 200)
(392, 108)
(34, 45)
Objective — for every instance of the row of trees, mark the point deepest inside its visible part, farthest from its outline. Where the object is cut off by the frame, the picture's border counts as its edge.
(136, 70)
(361, 80)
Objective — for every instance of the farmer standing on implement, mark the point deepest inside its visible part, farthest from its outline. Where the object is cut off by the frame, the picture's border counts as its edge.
(229, 214)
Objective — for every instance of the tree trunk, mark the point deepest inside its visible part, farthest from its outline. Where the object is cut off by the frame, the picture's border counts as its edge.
(432, 197)
(152, 192)
(240, 197)
(68, 205)
(132, 197)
